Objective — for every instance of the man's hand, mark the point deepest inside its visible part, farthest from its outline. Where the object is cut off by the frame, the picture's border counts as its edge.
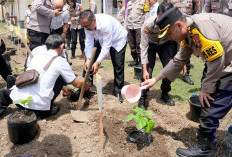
(204, 97)
(95, 67)
(184, 70)
(63, 35)
(149, 83)
(67, 91)
(145, 74)
(73, 19)
(87, 64)
(58, 12)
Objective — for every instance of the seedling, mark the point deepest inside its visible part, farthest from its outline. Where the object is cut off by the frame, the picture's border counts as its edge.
(25, 102)
(71, 86)
(19, 69)
(142, 122)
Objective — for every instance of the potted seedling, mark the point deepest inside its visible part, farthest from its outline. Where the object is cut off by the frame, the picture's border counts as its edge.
(22, 125)
(144, 125)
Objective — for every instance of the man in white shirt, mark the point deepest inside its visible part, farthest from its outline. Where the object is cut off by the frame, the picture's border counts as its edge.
(153, 7)
(27, 14)
(112, 38)
(42, 92)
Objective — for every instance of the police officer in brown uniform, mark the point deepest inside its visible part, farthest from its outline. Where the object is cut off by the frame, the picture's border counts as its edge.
(38, 28)
(210, 35)
(150, 46)
(218, 6)
(134, 19)
(187, 7)
(121, 11)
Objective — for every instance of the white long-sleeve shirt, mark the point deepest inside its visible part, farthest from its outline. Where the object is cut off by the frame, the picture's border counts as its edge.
(109, 32)
(153, 10)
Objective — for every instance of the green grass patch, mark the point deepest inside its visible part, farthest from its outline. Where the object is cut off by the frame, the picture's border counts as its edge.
(2, 25)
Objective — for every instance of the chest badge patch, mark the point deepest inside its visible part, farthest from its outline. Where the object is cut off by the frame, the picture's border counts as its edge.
(145, 30)
(197, 40)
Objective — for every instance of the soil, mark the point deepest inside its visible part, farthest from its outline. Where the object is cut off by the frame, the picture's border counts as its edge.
(23, 116)
(61, 136)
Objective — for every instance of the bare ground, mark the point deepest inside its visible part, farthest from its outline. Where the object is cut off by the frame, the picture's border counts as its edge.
(60, 136)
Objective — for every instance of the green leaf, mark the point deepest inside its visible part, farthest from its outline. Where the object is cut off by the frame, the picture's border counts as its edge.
(149, 126)
(141, 122)
(24, 102)
(17, 101)
(147, 113)
(138, 110)
(71, 86)
(130, 117)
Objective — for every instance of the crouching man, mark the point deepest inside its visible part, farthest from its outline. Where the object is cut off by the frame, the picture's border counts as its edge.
(45, 91)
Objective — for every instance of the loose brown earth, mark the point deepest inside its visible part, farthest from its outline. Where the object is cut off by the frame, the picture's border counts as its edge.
(60, 136)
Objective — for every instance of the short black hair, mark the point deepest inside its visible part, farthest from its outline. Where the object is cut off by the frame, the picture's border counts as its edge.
(74, 1)
(29, 5)
(87, 14)
(120, 2)
(164, 7)
(54, 41)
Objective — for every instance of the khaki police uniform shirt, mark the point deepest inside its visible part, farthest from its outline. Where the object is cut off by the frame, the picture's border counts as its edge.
(218, 6)
(213, 27)
(76, 14)
(135, 15)
(149, 34)
(120, 15)
(93, 6)
(187, 7)
(41, 14)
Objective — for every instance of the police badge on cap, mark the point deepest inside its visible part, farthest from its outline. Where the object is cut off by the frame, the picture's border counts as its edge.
(167, 20)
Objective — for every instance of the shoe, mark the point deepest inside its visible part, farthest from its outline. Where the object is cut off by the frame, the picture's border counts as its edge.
(119, 96)
(204, 148)
(188, 80)
(90, 82)
(72, 57)
(133, 63)
(82, 57)
(142, 104)
(55, 110)
(167, 99)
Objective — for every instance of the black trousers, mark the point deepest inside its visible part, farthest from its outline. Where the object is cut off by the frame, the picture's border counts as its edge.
(74, 36)
(5, 99)
(57, 31)
(36, 38)
(210, 116)
(4, 68)
(134, 38)
(165, 52)
(118, 59)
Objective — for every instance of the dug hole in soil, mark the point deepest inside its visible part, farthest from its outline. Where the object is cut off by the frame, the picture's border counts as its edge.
(60, 136)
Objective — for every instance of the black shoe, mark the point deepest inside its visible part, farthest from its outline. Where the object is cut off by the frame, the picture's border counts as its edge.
(167, 99)
(142, 104)
(70, 63)
(119, 96)
(188, 80)
(204, 148)
(90, 82)
(55, 110)
(72, 57)
(133, 63)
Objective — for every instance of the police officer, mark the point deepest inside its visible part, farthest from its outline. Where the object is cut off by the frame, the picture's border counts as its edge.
(218, 6)
(121, 11)
(187, 7)
(74, 11)
(204, 34)
(150, 45)
(153, 7)
(134, 19)
(38, 28)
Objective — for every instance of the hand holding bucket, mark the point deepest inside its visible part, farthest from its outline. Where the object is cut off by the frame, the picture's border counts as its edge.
(132, 92)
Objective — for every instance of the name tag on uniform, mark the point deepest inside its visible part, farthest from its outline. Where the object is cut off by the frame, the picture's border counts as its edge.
(211, 52)
(215, 5)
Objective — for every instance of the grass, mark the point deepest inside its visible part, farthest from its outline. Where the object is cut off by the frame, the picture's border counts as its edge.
(180, 91)
(2, 26)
